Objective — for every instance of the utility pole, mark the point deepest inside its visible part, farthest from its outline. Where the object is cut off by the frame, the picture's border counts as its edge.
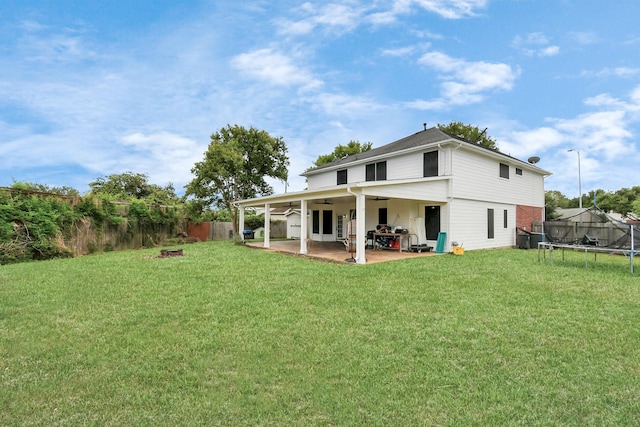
(579, 181)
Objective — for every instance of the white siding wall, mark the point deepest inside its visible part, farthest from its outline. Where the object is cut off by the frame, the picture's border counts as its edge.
(478, 178)
(322, 180)
(469, 224)
(432, 190)
(407, 166)
(474, 187)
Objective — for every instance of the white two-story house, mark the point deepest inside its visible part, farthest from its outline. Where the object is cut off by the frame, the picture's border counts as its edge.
(430, 184)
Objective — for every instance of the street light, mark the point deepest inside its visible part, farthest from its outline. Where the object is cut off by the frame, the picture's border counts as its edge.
(579, 178)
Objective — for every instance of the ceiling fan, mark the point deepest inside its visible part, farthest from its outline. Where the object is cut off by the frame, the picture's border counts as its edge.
(379, 199)
(326, 202)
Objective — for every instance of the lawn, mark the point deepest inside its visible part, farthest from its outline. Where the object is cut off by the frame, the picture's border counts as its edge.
(229, 335)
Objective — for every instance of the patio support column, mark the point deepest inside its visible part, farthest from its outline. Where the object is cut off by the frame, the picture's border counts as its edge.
(267, 225)
(240, 225)
(303, 227)
(360, 229)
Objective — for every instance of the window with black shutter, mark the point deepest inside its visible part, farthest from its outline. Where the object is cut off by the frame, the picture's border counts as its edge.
(315, 221)
(342, 177)
(371, 172)
(430, 164)
(381, 171)
(504, 171)
(490, 224)
(376, 171)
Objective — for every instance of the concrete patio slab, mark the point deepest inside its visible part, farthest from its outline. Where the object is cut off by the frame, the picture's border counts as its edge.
(335, 251)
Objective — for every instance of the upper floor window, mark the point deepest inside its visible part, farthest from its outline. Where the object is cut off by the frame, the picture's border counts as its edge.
(342, 177)
(430, 164)
(518, 171)
(504, 171)
(376, 171)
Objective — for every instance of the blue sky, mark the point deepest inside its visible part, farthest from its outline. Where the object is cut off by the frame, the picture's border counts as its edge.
(92, 88)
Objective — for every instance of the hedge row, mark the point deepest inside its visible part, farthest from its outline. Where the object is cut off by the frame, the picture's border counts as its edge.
(35, 226)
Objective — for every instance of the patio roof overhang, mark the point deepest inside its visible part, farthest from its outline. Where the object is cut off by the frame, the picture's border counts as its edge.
(343, 193)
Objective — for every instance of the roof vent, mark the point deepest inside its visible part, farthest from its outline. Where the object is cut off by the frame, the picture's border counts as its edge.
(425, 126)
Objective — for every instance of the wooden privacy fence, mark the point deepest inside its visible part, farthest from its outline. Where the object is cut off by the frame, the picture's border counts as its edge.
(212, 230)
(607, 233)
(88, 237)
(215, 230)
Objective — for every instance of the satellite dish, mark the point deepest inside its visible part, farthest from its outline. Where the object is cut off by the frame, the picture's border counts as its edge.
(533, 160)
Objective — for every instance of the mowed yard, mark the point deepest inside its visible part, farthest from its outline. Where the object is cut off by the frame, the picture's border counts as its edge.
(229, 335)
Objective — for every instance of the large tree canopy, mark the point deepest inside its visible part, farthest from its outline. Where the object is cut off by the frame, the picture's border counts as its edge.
(353, 147)
(622, 201)
(625, 201)
(235, 166)
(470, 133)
(129, 185)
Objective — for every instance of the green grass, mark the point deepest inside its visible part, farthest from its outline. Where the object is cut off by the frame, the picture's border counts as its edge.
(229, 335)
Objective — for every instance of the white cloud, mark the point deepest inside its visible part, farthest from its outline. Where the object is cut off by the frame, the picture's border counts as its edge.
(43, 44)
(160, 155)
(465, 82)
(523, 144)
(604, 138)
(274, 68)
(603, 132)
(585, 38)
(399, 52)
(452, 9)
(605, 100)
(345, 106)
(535, 44)
(635, 97)
(348, 15)
(433, 105)
(621, 72)
(335, 16)
(549, 51)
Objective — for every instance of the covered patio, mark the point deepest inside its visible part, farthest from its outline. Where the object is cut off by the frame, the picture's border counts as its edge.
(331, 215)
(335, 251)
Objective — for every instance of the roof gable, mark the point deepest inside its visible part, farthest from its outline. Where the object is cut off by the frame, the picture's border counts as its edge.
(419, 139)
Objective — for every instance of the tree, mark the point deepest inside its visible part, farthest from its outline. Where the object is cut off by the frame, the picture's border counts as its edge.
(341, 151)
(469, 133)
(43, 188)
(129, 185)
(636, 208)
(559, 199)
(623, 199)
(235, 166)
(552, 201)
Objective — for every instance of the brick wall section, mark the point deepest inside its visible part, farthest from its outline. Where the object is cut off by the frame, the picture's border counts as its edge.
(526, 215)
(199, 230)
